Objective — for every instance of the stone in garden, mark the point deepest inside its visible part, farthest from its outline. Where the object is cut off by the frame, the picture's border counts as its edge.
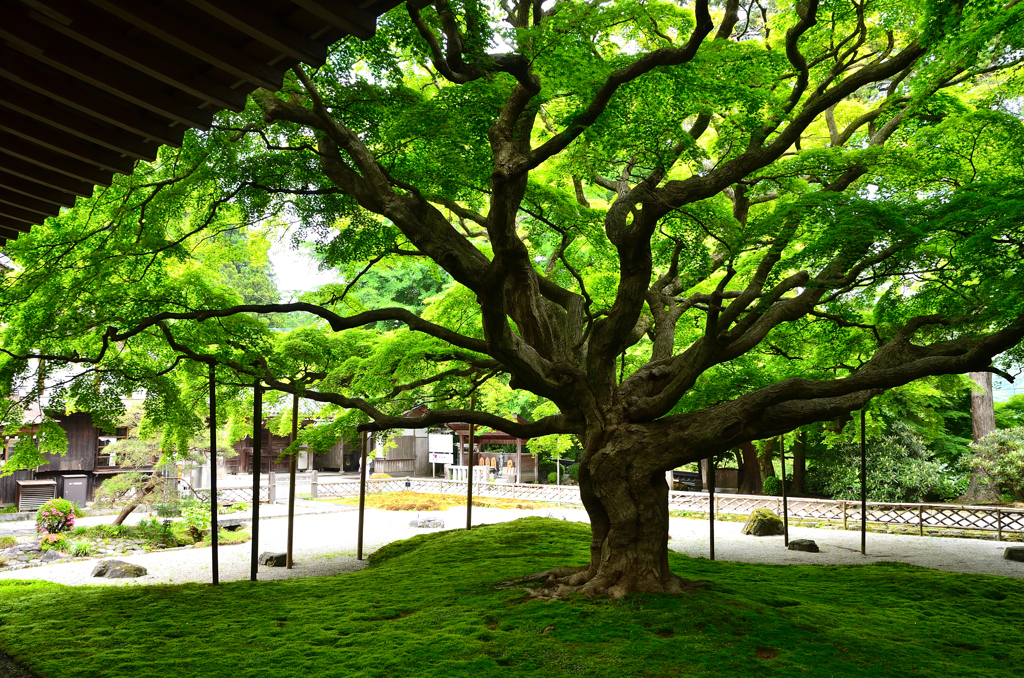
(807, 545)
(426, 522)
(118, 569)
(50, 556)
(1014, 553)
(31, 547)
(763, 523)
(273, 559)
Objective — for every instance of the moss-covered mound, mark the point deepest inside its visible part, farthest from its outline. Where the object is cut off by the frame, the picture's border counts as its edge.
(433, 606)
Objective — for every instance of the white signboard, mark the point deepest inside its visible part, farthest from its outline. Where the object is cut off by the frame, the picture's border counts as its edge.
(440, 442)
(441, 458)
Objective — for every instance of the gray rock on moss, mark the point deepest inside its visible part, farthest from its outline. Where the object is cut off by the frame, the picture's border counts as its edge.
(807, 545)
(118, 569)
(763, 523)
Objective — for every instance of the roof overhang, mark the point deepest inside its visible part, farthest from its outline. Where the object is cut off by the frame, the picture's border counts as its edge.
(90, 87)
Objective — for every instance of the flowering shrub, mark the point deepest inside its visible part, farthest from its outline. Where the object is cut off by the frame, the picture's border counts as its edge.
(56, 515)
(379, 476)
(55, 542)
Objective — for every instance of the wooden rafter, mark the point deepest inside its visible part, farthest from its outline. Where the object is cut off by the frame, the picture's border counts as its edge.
(90, 87)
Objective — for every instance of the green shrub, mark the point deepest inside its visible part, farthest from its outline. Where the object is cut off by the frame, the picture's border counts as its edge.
(55, 516)
(772, 486)
(196, 517)
(552, 478)
(900, 468)
(574, 472)
(80, 548)
(234, 508)
(1001, 454)
(7, 542)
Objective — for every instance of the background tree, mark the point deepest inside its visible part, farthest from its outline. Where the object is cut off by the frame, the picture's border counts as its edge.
(685, 229)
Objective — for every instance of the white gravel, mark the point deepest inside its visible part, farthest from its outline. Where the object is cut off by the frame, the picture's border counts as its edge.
(325, 544)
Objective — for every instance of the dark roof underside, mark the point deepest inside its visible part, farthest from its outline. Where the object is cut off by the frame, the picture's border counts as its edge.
(88, 87)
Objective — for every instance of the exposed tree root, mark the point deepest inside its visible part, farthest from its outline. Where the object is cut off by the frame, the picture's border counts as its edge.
(566, 581)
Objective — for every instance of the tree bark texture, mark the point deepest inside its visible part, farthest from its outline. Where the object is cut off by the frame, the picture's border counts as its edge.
(799, 451)
(628, 508)
(981, 489)
(750, 470)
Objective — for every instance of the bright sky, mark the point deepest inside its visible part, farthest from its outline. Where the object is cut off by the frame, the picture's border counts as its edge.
(295, 270)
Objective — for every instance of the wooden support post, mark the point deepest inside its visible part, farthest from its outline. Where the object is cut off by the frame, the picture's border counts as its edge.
(213, 475)
(920, 520)
(711, 507)
(785, 501)
(863, 486)
(844, 514)
(257, 455)
(313, 489)
(362, 494)
(519, 461)
(292, 468)
(999, 524)
(469, 474)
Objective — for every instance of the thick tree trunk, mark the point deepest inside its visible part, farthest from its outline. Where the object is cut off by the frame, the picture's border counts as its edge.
(750, 471)
(796, 487)
(628, 508)
(981, 489)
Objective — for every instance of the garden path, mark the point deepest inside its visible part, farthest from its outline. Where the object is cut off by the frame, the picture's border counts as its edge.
(325, 545)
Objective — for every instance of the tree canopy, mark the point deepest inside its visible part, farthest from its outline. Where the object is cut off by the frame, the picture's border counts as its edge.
(674, 229)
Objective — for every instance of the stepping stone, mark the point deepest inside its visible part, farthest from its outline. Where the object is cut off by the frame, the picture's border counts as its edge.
(50, 556)
(807, 545)
(118, 569)
(273, 559)
(1014, 553)
(426, 522)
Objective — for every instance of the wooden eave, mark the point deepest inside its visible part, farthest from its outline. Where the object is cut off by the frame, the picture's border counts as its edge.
(90, 87)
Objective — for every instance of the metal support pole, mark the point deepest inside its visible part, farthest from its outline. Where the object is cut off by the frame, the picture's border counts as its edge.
(863, 486)
(257, 456)
(711, 506)
(785, 500)
(292, 467)
(362, 494)
(469, 474)
(213, 474)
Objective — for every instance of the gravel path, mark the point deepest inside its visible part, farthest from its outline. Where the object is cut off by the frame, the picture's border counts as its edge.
(325, 544)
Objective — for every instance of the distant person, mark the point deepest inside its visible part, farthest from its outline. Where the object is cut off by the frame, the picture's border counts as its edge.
(369, 466)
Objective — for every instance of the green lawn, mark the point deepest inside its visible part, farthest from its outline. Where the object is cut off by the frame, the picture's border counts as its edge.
(429, 607)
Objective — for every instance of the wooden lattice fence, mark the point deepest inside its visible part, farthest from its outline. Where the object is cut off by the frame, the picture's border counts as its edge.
(846, 513)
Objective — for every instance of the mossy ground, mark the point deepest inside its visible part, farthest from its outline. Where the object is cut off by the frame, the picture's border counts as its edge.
(432, 606)
(428, 501)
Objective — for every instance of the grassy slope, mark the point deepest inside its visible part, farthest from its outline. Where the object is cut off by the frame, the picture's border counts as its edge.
(428, 608)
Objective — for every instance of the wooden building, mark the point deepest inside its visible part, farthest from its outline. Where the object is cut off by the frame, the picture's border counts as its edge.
(341, 457)
(85, 456)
